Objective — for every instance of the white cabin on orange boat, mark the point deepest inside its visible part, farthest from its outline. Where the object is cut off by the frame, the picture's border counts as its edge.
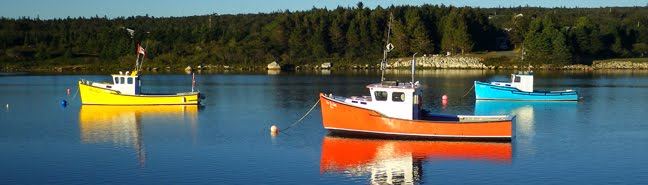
(392, 98)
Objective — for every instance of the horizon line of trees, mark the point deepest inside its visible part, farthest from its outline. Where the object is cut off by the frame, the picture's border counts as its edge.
(343, 35)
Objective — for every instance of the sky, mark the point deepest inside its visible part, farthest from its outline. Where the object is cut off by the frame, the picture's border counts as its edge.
(51, 9)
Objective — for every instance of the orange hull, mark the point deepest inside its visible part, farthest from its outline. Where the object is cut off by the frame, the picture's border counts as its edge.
(341, 154)
(338, 116)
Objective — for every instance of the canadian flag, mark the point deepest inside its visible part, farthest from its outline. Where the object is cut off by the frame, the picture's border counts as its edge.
(141, 50)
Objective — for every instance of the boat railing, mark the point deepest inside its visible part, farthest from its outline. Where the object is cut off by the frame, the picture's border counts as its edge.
(470, 118)
(86, 82)
(401, 85)
(501, 84)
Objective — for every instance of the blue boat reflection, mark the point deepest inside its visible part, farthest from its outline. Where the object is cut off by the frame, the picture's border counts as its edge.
(527, 116)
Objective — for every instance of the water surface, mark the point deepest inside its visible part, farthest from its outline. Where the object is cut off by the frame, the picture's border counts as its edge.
(599, 140)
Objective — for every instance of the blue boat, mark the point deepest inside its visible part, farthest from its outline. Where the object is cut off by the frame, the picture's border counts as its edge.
(520, 89)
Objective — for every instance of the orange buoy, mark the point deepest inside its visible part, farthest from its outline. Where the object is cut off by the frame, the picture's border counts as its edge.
(273, 130)
(68, 91)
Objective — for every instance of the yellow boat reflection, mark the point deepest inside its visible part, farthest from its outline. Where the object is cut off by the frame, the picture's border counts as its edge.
(400, 161)
(121, 125)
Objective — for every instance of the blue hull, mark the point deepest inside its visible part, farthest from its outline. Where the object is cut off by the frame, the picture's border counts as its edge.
(487, 91)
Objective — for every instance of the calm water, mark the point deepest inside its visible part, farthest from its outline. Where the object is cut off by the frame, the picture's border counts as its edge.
(602, 139)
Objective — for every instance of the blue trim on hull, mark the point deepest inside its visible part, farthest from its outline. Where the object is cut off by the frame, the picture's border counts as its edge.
(487, 91)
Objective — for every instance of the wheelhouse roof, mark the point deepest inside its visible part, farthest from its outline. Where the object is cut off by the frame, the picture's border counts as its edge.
(394, 85)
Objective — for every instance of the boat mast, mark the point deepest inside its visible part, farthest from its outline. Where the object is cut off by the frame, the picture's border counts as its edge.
(387, 49)
(413, 67)
(529, 64)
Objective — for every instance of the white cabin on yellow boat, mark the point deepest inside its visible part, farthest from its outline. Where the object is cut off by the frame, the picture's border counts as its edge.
(127, 83)
(124, 83)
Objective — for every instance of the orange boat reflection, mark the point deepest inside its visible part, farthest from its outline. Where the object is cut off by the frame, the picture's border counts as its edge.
(390, 161)
(122, 125)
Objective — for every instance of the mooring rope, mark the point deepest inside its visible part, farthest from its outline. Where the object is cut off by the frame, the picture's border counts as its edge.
(469, 90)
(300, 119)
(75, 93)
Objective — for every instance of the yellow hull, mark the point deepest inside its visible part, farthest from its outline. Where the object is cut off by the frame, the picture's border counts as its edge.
(91, 95)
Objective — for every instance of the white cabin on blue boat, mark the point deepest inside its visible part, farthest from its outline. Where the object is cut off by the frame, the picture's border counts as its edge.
(523, 82)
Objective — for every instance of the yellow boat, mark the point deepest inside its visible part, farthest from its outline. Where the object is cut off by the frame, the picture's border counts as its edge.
(126, 90)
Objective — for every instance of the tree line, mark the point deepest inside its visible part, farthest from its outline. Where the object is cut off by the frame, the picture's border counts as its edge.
(345, 35)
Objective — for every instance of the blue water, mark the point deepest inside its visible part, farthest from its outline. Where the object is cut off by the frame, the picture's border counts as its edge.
(600, 140)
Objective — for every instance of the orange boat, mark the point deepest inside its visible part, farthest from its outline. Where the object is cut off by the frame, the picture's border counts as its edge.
(394, 109)
(400, 161)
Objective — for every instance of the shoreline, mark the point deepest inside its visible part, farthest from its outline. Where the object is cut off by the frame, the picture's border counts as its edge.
(423, 63)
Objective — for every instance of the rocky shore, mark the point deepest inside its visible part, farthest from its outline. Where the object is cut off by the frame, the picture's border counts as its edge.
(442, 62)
(619, 64)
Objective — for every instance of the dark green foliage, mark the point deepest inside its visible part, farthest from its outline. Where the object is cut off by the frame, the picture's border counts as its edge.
(344, 35)
(545, 44)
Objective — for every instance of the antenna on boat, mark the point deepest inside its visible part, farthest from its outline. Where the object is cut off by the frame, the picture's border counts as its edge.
(387, 49)
(413, 67)
(529, 64)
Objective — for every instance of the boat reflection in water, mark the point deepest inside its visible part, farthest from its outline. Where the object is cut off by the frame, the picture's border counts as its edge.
(527, 115)
(122, 125)
(526, 112)
(400, 161)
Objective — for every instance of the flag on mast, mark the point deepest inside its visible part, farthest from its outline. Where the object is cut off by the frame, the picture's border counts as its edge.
(193, 81)
(141, 50)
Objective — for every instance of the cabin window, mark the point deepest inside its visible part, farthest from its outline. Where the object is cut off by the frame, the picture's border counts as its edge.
(116, 80)
(121, 80)
(516, 79)
(398, 96)
(381, 95)
(130, 80)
